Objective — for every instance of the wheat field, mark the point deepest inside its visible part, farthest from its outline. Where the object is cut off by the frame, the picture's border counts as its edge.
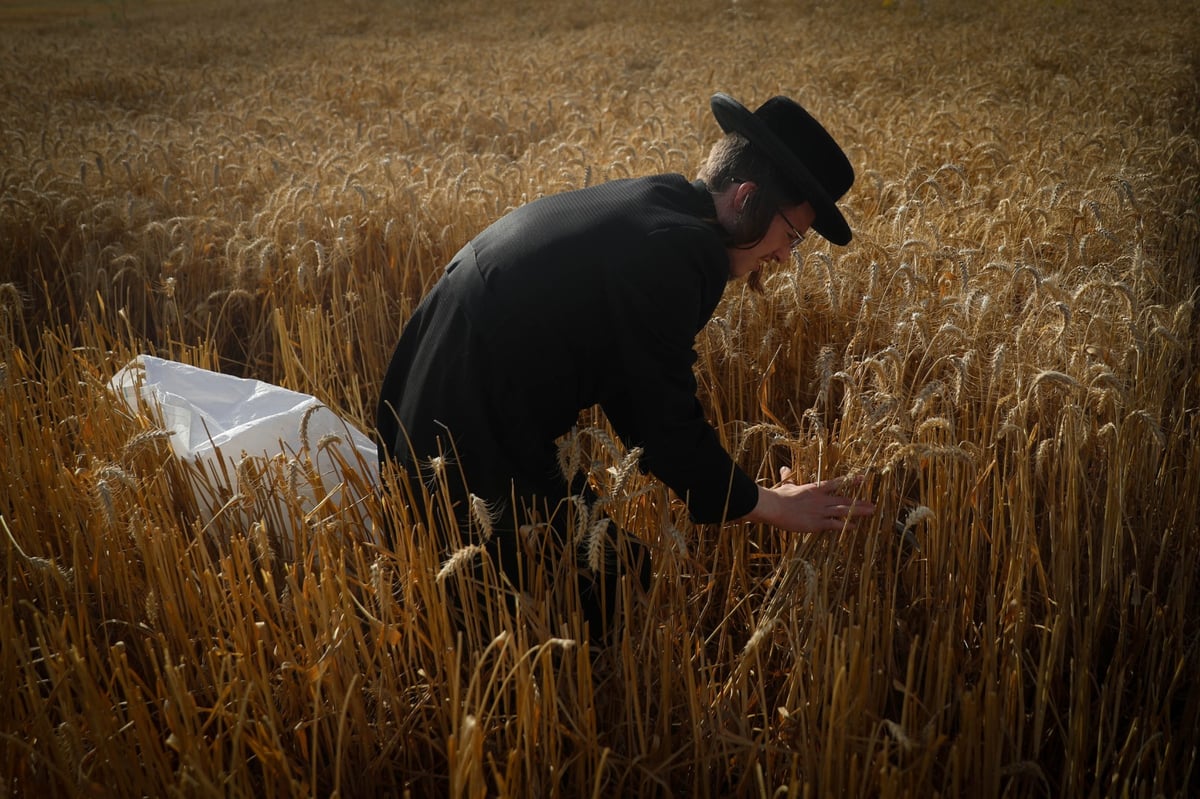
(1006, 352)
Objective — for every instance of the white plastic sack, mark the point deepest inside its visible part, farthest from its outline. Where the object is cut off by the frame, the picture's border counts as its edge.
(212, 416)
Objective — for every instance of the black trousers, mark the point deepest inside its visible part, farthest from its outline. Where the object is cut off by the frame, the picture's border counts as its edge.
(534, 549)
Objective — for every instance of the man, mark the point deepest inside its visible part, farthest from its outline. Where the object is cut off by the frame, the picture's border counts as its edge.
(595, 297)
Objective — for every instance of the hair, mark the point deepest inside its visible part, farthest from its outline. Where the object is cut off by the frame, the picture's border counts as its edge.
(734, 160)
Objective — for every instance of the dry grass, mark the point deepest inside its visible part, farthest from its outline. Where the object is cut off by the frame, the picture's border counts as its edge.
(1007, 350)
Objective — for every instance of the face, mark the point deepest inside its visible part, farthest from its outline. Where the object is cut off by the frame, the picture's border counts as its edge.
(776, 245)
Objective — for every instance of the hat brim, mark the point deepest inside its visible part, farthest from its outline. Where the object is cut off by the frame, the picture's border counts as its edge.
(733, 117)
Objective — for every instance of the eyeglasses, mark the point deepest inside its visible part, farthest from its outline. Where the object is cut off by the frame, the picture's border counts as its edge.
(797, 236)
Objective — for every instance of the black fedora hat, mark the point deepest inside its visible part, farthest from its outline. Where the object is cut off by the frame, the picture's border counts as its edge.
(810, 160)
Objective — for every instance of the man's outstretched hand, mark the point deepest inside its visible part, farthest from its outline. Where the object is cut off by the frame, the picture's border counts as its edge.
(811, 507)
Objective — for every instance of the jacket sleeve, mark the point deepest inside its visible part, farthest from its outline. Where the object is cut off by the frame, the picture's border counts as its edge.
(661, 303)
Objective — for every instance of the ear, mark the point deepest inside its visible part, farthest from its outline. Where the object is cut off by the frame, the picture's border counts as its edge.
(742, 195)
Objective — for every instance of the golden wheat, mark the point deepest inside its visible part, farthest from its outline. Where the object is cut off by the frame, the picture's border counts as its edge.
(1006, 352)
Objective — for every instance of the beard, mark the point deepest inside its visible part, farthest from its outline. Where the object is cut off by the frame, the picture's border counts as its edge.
(754, 281)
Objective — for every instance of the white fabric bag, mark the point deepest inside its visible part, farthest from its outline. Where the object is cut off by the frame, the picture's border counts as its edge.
(212, 416)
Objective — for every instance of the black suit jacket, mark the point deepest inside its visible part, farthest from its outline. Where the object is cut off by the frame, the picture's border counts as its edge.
(593, 296)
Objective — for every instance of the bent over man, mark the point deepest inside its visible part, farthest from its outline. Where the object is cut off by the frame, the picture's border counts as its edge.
(595, 297)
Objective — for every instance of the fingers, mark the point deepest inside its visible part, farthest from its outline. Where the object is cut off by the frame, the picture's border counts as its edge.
(788, 474)
(852, 511)
(841, 511)
(844, 521)
(857, 508)
(838, 483)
